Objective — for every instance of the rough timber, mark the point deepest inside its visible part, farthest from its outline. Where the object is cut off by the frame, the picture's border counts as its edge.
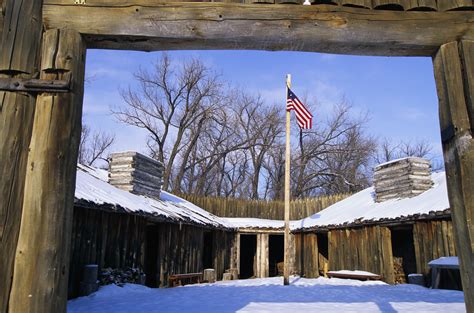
(378, 27)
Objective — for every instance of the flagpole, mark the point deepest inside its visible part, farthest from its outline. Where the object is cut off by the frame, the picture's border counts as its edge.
(286, 270)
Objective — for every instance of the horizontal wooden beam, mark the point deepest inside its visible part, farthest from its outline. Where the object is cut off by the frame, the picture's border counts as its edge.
(34, 85)
(150, 26)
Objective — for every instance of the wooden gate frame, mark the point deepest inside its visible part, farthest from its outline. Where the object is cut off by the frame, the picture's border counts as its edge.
(39, 131)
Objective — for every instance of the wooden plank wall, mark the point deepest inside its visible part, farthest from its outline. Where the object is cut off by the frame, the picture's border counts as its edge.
(306, 255)
(432, 240)
(108, 239)
(367, 249)
(229, 207)
(225, 244)
(117, 240)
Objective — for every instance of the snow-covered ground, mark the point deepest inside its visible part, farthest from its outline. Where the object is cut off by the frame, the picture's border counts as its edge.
(268, 295)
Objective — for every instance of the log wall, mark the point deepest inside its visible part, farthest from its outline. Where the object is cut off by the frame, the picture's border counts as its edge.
(274, 210)
(367, 249)
(113, 240)
(432, 240)
(118, 240)
(307, 255)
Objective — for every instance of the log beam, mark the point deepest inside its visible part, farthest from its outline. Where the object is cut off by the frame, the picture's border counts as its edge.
(453, 67)
(149, 25)
(19, 46)
(42, 255)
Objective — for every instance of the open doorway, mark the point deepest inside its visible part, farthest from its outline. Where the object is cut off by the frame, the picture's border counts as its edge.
(151, 256)
(323, 253)
(276, 254)
(248, 249)
(403, 249)
(207, 253)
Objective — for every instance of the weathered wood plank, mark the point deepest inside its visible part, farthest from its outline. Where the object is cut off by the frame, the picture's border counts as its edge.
(358, 3)
(421, 5)
(46, 223)
(455, 4)
(322, 28)
(453, 66)
(397, 5)
(18, 56)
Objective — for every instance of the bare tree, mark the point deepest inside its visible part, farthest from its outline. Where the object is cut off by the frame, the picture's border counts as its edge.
(169, 101)
(389, 150)
(94, 146)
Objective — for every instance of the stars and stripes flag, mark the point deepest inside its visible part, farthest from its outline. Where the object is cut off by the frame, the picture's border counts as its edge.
(303, 116)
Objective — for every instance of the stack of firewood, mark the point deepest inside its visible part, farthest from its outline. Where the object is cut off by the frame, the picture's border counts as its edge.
(400, 277)
(402, 178)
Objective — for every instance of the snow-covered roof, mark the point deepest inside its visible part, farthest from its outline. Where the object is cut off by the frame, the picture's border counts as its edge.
(254, 223)
(92, 188)
(362, 208)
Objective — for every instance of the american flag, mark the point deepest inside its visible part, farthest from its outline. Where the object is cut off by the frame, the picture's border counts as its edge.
(303, 116)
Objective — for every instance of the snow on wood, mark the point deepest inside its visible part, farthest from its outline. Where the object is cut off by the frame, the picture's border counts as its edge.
(447, 260)
(92, 188)
(362, 207)
(254, 223)
(347, 272)
(269, 295)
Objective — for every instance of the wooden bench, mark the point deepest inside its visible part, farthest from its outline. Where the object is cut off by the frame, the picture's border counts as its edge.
(184, 279)
(353, 275)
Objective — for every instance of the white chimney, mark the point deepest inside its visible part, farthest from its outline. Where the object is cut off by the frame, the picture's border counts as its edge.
(136, 173)
(402, 178)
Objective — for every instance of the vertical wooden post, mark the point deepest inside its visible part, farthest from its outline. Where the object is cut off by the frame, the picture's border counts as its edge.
(453, 67)
(19, 50)
(286, 268)
(42, 256)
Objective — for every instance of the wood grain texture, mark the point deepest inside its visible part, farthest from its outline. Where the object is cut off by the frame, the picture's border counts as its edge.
(358, 3)
(397, 5)
(421, 5)
(18, 57)
(445, 5)
(46, 222)
(322, 28)
(368, 249)
(453, 66)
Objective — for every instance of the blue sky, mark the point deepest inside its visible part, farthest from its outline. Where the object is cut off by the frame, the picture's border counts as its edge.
(399, 94)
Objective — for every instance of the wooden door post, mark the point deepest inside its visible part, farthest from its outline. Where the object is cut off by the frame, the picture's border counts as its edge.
(42, 256)
(20, 40)
(454, 72)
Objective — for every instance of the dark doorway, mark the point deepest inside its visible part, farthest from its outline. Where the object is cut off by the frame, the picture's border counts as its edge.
(276, 247)
(248, 249)
(403, 249)
(151, 256)
(323, 253)
(207, 253)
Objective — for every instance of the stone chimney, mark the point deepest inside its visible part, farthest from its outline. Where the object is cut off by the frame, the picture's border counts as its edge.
(136, 173)
(402, 178)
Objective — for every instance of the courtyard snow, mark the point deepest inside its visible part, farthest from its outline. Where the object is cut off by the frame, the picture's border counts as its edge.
(268, 295)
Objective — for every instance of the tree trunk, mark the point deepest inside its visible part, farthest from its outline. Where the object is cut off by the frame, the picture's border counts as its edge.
(453, 67)
(42, 257)
(19, 49)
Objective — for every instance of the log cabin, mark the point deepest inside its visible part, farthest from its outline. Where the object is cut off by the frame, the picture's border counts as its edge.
(123, 219)
(392, 229)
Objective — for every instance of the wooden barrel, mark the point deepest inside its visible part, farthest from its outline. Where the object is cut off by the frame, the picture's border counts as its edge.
(357, 3)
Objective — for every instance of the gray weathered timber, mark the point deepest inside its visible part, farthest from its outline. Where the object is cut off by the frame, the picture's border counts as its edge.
(453, 66)
(322, 28)
(18, 57)
(33, 85)
(45, 232)
(136, 173)
(402, 178)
